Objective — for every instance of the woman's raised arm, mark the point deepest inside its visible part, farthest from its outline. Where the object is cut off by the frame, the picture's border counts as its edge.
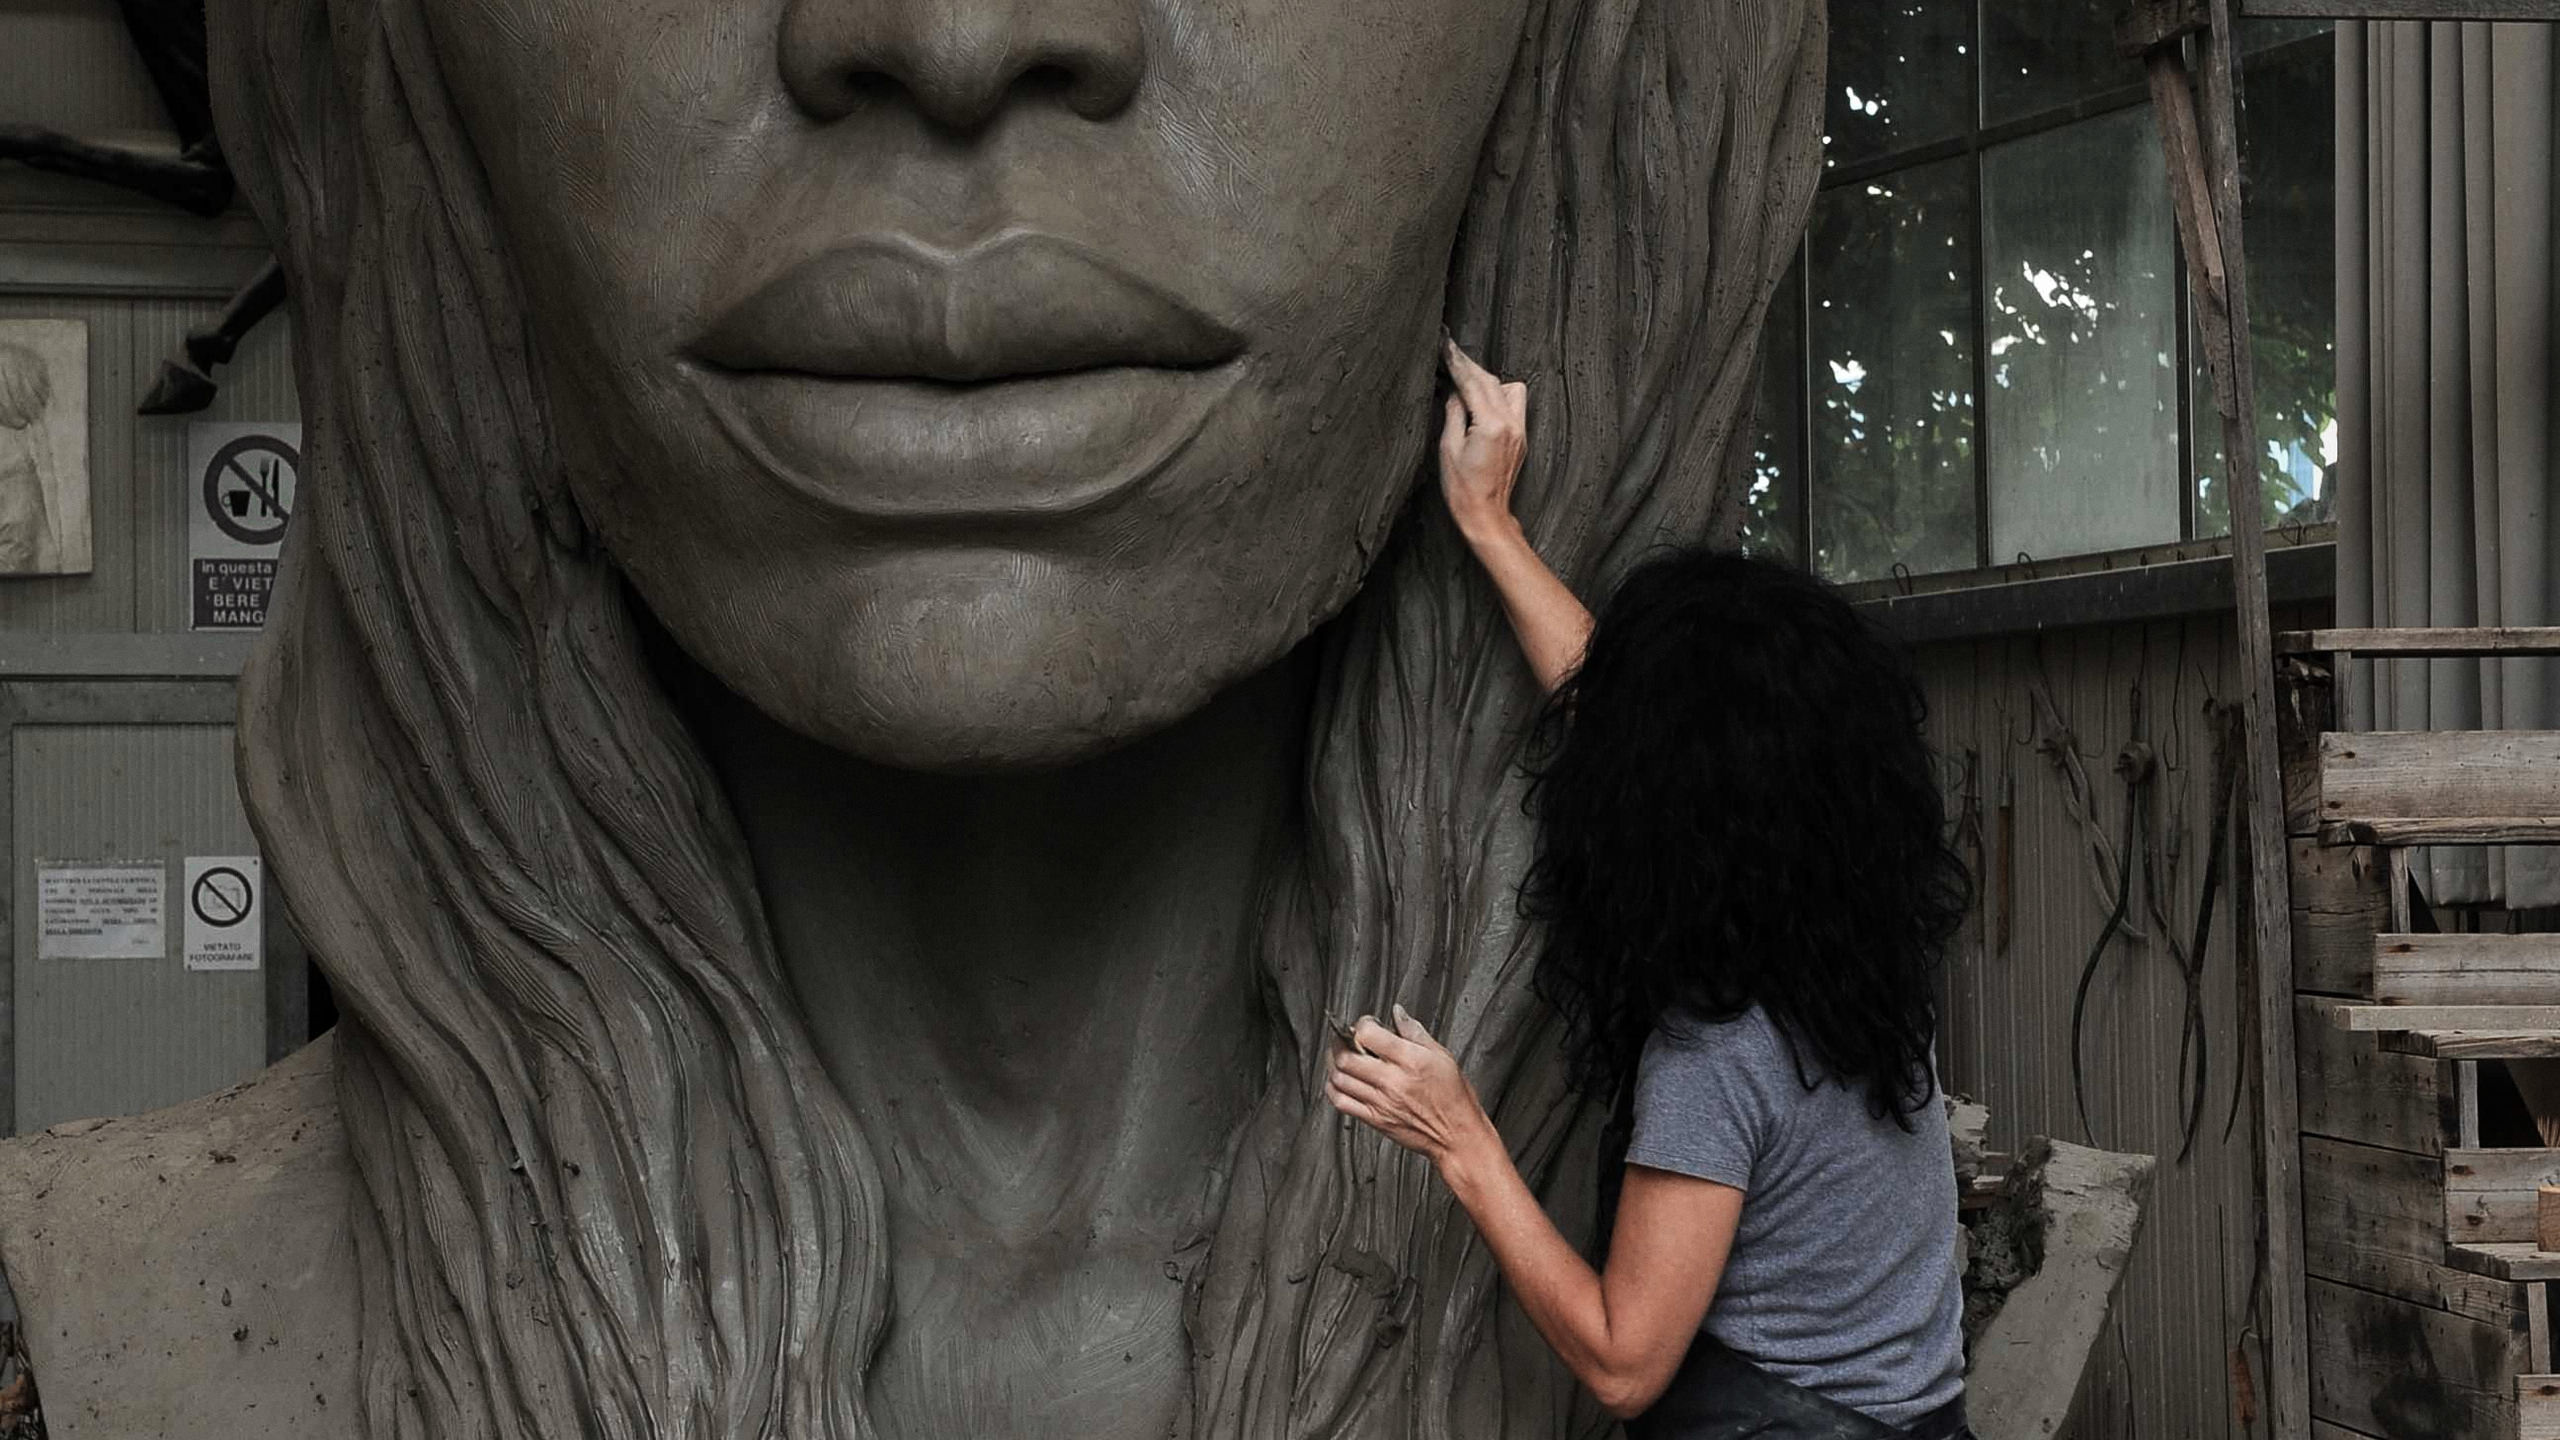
(1481, 447)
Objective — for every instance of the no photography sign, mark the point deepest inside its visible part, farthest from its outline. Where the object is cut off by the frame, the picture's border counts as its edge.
(224, 912)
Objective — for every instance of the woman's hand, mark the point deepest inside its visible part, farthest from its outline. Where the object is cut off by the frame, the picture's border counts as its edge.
(1621, 1334)
(1481, 448)
(1482, 443)
(1407, 1087)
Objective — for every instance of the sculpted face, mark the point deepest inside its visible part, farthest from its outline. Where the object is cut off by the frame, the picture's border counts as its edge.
(973, 383)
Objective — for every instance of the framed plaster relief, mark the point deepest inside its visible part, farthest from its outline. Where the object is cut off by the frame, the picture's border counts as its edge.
(44, 447)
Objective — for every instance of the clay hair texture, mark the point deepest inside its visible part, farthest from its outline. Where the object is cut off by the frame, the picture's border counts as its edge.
(607, 1189)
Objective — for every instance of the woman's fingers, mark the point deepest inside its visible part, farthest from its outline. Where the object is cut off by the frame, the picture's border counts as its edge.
(1453, 431)
(1367, 1069)
(1378, 1040)
(1482, 391)
(1372, 1096)
(1342, 1101)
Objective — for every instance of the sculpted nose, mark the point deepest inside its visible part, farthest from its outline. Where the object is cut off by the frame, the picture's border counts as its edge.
(960, 63)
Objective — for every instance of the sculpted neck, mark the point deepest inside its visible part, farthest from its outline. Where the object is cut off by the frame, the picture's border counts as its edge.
(1040, 983)
(1039, 993)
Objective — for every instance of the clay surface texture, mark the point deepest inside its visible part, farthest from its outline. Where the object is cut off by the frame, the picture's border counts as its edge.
(866, 652)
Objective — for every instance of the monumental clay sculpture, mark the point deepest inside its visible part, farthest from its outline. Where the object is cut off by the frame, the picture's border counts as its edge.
(863, 661)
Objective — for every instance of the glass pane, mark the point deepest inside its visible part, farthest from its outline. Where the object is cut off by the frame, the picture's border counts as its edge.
(2081, 417)
(2039, 54)
(2290, 229)
(1891, 346)
(1770, 518)
(1901, 75)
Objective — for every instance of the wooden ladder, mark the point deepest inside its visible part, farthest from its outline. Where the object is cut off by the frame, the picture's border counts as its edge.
(2428, 1296)
(2198, 110)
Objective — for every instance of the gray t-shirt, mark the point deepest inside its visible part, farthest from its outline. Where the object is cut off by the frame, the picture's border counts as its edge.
(1843, 1274)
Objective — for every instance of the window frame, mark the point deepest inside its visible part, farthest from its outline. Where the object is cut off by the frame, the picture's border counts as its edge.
(1795, 508)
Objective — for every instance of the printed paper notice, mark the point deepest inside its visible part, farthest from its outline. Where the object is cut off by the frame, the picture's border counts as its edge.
(101, 912)
(223, 908)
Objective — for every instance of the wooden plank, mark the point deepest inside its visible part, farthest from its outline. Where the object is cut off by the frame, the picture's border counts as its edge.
(2388, 1367)
(2466, 969)
(2341, 898)
(2538, 1407)
(2399, 886)
(2537, 1325)
(2489, 1195)
(2374, 1219)
(2353, 1015)
(2461, 830)
(2443, 641)
(2306, 709)
(2512, 1260)
(2352, 1090)
(2385, 775)
(2230, 361)
(2471, 1044)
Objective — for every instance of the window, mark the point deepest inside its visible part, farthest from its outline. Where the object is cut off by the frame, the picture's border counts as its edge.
(1985, 353)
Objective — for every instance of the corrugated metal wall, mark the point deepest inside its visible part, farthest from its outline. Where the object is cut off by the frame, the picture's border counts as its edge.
(138, 491)
(119, 1036)
(114, 741)
(2163, 1368)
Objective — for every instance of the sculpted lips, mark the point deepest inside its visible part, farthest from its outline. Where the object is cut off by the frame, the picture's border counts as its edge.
(1025, 376)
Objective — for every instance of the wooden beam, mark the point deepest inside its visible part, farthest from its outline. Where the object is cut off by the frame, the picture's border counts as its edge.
(2538, 1407)
(2511, 1260)
(2353, 1089)
(2490, 1196)
(2381, 1360)
(2472, 1044)
(2348, 1015)
(2466, 969)
(2442, 642)
(2341, 900)
(2374, 1219)
(2306, 709)
(2229, 357)
(2457, 830)
(2383, 775)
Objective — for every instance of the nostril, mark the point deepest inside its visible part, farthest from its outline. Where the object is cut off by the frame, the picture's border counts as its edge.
(960, 63)
(1054, 82)
(869, 90)
(1094, 89)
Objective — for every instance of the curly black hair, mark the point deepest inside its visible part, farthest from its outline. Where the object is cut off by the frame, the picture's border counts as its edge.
(1736, 806)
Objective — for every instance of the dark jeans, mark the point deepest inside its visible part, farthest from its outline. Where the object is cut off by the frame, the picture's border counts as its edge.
(1947, 1422)
(1718, 1395)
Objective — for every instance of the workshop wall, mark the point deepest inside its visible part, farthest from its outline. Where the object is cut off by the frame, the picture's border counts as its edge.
(115, 711)
(2165, 1366)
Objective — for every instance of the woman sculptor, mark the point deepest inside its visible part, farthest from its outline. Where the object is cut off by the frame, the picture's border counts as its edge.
(816, 517)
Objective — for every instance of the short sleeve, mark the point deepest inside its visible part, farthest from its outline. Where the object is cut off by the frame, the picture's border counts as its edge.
(1702, 1103)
